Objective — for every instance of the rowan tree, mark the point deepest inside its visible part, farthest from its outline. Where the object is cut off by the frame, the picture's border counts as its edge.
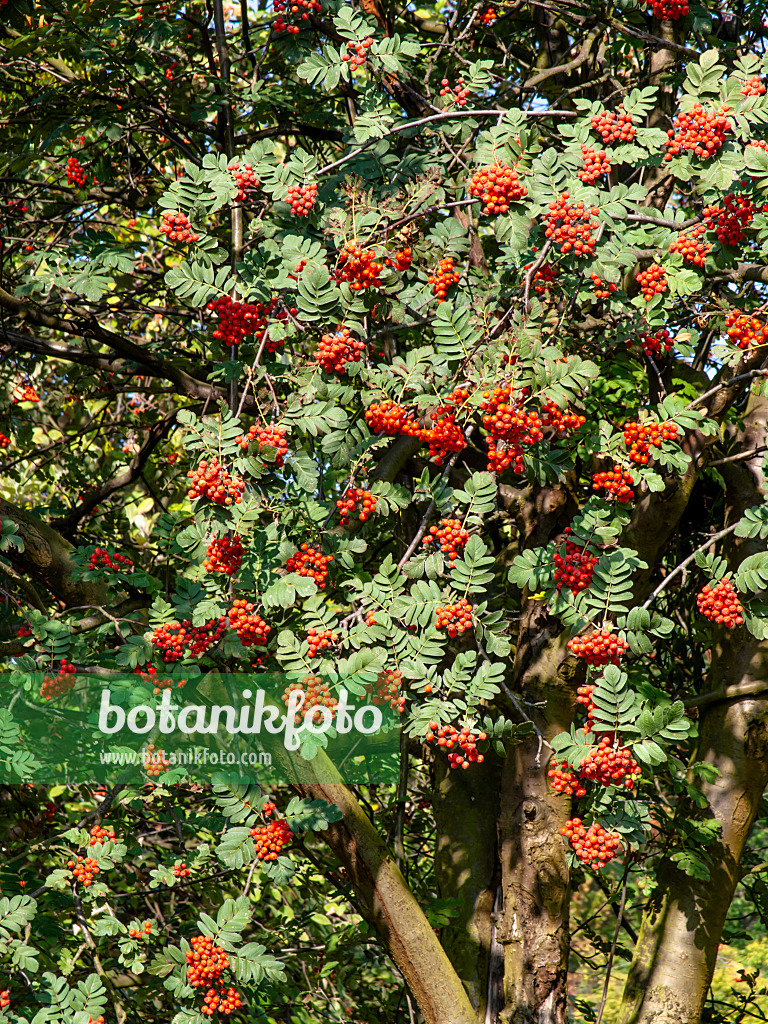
(422, 349)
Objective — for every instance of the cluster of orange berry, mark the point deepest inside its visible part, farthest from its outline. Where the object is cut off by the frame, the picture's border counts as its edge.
(564, 781)
(720, 604)
(544, 277)
(25, 392)
(454, 618)
(24, 631)
(562, 420)
(601, 647)
(266, 437)
(444, 278)
(729, 220)
(5, 442)
(614, 127)
(639, 437)
(5, 999)
(446, 436)
(458, 95)
(75, 173)
(210, 480)
(357, 52)
(238, 320)
(180, 869)
(509, 428)
(158, 685)
(576, 569)
(753, 87)
(570, 226)
(155, 762)
(301, 198)
(602, 290)
(697, 130)
(337, 349)
(176, 227)
(668, 10)
(173, 638)
(652, 281)
(356, 501)
(270, 839)
(250, 628)
(224, 554)
(101, 559)
(595, 164)
(451, 536)
(497, 187)
(593, 845)
(224, 1001)
(610, 764)
(316, 695)
(318, 640)
(391, 419)
(402, 261)
(100, 834)
(745, 330)
(56, 686)
(310, 562)
(448, 736)
(691, 247)
(138, 933)
(205, 962)
(304, 7)
(245, 179)
(654, 345)
(386, 690)
(358, 268)
(83, 869)
(489, 16)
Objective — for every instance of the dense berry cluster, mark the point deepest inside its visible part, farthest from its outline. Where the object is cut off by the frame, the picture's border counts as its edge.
(271, 838)
(640, 437)
(595, 164)
(210, 480)
(564, 781)
(293, 7)
(668, 10)
(444, 278)
(386, 690)
(61, 683)
(614, 127)
(457, 95)
(753, 87)
(176, 227)
(251, 629)
(451, 536)
(155, 761)
(360, 269)
(448, 737)
(101, 559)
(5, 442)
(391, 419)
(570, 226)
(357, 502)
(654, 345)
(562, 420)
(489, 16)
(310, 562)
(245, 179)
(319, 639)
(652, 281)
(745, 331)
(720, 604)
(497, 187)
(509, 427)
(601, 647)
(729, 220)
(602, 289)
(175, 638)
(24, 631)
(544, 277)
(403, 258)
(316, 695)
(101, 834)
(698, 131)
(337, 349)
(205, 962)
(224, 554)
(83, 869)
(75, 173)
(691, 246)
(575, 569)
(266, 437)
(301, 198)
(25, 392)
(357, 52)
(454, 618)
(446, 436)
(180, 869)
(238, 320)
(593, 845)
(610, 764)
